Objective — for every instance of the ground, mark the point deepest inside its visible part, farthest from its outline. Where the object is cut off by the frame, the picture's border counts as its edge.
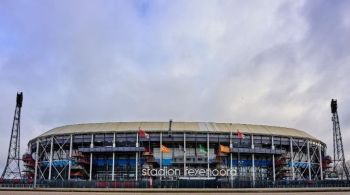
(133, 193)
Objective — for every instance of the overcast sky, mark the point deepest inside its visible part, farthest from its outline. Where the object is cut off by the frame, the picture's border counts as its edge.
(257, 62)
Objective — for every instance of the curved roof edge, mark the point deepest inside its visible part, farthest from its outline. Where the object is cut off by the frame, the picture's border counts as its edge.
(178, 127)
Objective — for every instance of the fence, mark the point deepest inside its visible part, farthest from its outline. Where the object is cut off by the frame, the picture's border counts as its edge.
(173, 184)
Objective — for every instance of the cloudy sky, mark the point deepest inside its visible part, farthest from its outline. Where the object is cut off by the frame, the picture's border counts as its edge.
(259, 62)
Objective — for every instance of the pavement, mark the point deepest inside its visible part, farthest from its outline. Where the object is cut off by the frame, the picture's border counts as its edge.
(173, 193)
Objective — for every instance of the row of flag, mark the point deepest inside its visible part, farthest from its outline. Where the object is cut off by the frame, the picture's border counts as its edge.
(222, 149)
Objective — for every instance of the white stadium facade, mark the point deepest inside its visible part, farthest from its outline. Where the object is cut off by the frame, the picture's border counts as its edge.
(174, 154)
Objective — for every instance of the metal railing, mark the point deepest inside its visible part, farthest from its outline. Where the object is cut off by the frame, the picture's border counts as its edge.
(174, 184)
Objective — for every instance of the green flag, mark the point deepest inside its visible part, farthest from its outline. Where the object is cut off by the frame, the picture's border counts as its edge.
(202, 148)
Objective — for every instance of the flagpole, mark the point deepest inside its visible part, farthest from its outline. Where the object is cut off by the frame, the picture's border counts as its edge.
(161, 153)
(238, 162)
(195, 147)
(253, 159)
(208, 154)
(149, 144)
(185, 174)
(231, 176)
(113, 156)
(137, 147)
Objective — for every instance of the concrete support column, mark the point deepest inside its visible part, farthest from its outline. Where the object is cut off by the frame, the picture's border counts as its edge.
(231, 147)
(253, 159)
(273, 160)
(70, 155)
(91, 146)
(185, 173)
(308, 158)
(320, 157)
(273, 168)
(292, 157)
(113, 157)
(50, 159)
(36, 163)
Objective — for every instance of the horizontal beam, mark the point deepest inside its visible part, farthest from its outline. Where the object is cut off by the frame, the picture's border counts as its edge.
(112, 149)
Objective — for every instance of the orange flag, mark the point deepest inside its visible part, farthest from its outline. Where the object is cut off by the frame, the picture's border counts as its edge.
(164, 149)
(224, 149)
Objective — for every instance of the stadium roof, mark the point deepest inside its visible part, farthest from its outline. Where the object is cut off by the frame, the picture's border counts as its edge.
(178, 127)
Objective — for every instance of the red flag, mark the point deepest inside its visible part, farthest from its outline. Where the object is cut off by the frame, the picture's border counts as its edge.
(143, 134)
(240, 135)
(147, 150)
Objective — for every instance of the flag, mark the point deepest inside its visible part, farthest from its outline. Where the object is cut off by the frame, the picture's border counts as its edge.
(224, 149)
(147, 150)
(202, 149)
(143, 134)
(164, 149)
(240, 135)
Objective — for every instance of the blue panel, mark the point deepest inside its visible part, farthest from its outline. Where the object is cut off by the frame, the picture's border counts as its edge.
(44, 163)
(60, 163)
(142, 161)
(121, 162)
(102, 162)
(299, 164)
(132, 162)
(125, 162)
(248, 163)
(165, 162)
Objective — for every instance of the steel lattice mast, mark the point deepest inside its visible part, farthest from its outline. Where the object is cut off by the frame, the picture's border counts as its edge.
(12, 169)
(338, 149)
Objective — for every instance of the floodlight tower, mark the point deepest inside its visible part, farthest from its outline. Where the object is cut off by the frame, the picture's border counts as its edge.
(338, 149)
(12, 169)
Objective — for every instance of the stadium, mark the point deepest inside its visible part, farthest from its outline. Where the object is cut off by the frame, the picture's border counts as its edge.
(174, 154)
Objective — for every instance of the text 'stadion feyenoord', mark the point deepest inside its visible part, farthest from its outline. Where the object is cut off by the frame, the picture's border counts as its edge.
(190, 172)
